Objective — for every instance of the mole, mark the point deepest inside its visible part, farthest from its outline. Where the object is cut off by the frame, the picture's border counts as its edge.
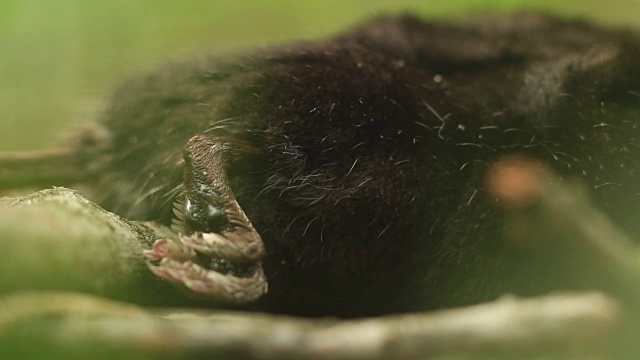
(345, 176)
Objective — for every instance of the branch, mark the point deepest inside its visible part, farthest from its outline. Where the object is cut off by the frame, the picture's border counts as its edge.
(541, 205)
(558, 325)
(57, 240)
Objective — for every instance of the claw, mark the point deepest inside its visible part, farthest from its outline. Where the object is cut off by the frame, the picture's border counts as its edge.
(240, 246)
(163, 249)
(236, 289)
(158, 250)
(209, 283)
(210, 244)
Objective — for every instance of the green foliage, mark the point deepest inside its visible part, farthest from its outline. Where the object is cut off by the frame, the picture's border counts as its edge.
(60, 58)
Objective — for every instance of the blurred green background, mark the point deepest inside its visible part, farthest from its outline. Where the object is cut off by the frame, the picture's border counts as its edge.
(60, 58)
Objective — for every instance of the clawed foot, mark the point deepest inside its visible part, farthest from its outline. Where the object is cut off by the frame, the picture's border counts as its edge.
(219, 252)
(221, 280)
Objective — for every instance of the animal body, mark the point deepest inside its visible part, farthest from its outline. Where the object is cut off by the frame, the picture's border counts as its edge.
(353, 167)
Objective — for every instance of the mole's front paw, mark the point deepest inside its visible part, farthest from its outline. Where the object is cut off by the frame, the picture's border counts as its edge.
(219, 253)
(216, 279)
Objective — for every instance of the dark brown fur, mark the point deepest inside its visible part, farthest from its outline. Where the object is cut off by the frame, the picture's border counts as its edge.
(366, 183)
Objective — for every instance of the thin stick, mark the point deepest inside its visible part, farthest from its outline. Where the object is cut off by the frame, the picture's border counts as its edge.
(47, 168)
